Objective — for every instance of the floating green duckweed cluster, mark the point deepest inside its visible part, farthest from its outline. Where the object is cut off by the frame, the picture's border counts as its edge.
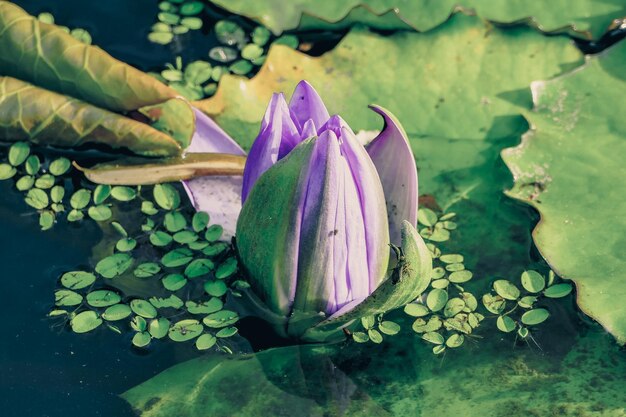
(506, 298)
(176, 17)
(240, 53)
(177, 258)
(77, 33)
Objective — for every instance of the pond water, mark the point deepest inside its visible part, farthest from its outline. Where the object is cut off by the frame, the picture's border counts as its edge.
(572, 368)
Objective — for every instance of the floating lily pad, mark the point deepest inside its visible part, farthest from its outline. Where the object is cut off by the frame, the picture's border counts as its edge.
(59, 166)
(177, 257)
(416, 310)
(147, 270)
(185, 330)
(226, 268)
(37, 199)
(437, 299)
(533, 281)
(204, 307)
(558, 290)
(67, 298)
(535, 316)
(231, 331)
(114, 265)
(505, 324)
(506, 289)
(75, 280)
(222, 318)
(100, 213)
(103, 298)
(206, 341)
(141, 339)
(389, 328)
(166, 196)
(174, 222)
(85, 322)
(116, 312)
(199, 221)
(198, 268)
(18, 152)
(122, 193)
(174, 282)
(570, 112)
(159, 328)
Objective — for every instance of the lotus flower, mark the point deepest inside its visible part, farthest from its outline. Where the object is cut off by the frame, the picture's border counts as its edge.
(319, 212)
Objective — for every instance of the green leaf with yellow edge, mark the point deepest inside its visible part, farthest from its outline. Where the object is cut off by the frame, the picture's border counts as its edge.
(569, 167)
(586, 18)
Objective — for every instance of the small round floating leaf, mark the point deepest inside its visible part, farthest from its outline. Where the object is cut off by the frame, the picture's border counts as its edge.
(198, 268)
(471, 303)
(439, 235)
(80, 199)
(433, 337)
(147, 270)
(215, 288)
(426, 216)
(85, 322)
(57, 312)
(174, 282)
(57, 208)
(138, 324)
(215, 249)
(123, 193)
(389, 328)
(455, 267)
(33, 164)
(192, 23)
(421, 326)
(439, 349)
(114, 265)
(100, 213)
(455, 340)
(46, 220)
(161, 38)
(177, 257)
(437, 299)
(116, 312)
(251, 51)
(74, 216)
(103, 298)
(174, 222)
(506, 289)
(158, 328)
(45, 182)
(206, 341)
(119, 229)
(172, 75)
(452, 259)
(375, 336)
(76, 280)
(551, 277)
(505, 324)
(368, 322)
(438, 272)
(360, 337)
(101, 193)
(459, 277)
(185, 236)
(435, 252)
(535, 316)
(449, 225)
(143, 308)
(148, 225)
(67, 298)
(214, 232)
(168, 18)
(18, 152)
(81, 35)
(7, 171)
(206, 307)
(57, 193)
(227, 332)
(229, 33)
(222, 54)
(185, 330)
(240, 67)
(523, 332)
(160, 238)
(170, 302)
(440, 283)
(558, 290)
(166, 196)
(209, 89)
(191, 8)
(533, 281)
(222, 318)
(226, 268)
(197, 245)
(200, 221)
(260, 35)
(527, 302)
(25, 183)
(148, 208)
(416, 310)
(453, 307)
(494, 304)
(37, 199)
(141, 339)
(288, 40)
(59, 166)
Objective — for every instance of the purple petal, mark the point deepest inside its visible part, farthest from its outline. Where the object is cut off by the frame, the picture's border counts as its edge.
(278, 136)
(220, 196)
(336, 124)
(371, 199)
(308, 130)
(306, 104)
(391, 153)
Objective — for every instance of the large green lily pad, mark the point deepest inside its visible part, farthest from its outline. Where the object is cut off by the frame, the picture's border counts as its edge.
(570, 167)
(486, 380)
(588, 18)
(458, 91)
